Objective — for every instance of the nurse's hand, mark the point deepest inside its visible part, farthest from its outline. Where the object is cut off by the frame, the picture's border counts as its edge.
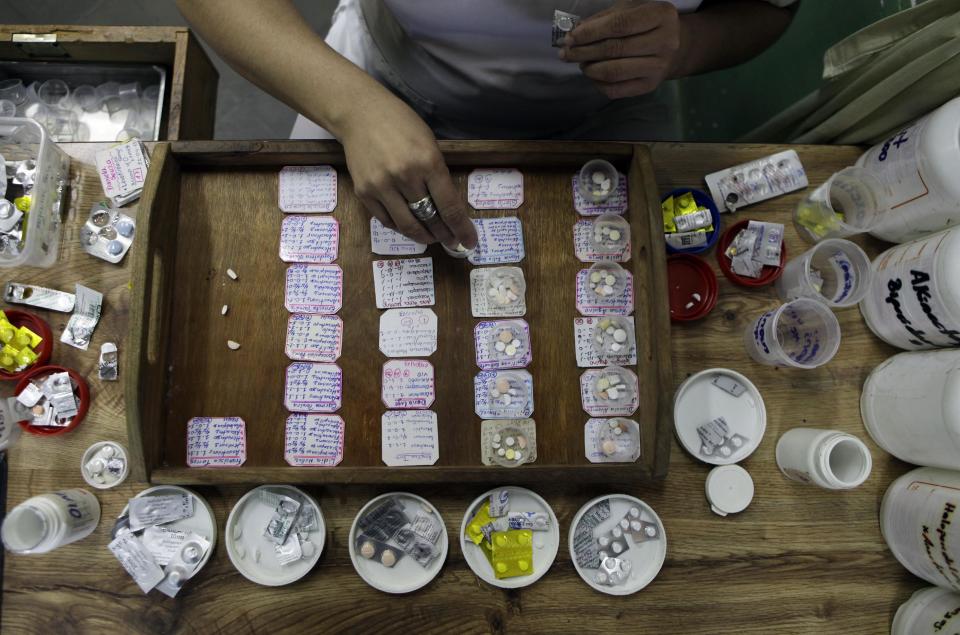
(394, 160)
(628, 49)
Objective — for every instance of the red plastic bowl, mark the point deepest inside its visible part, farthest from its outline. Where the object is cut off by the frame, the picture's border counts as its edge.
(687, 275)
(80, 387)
(769, 273)
(38, 326)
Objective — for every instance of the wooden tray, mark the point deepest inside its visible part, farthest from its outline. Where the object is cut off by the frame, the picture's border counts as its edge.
(208, 206)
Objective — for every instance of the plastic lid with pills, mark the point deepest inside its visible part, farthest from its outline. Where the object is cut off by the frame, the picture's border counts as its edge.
(510, 447)
(617, 544)
(105, 465)
(509, 340)
(692, 286)
(729, 489)
(613, 339)
(509, 537)
(398, 542)
(611, 235)
(606, 279)
(619, 440)
(597, 180)
(615, 386)
(275, 534)
(719, 416)
(507, 391)
(505, 286)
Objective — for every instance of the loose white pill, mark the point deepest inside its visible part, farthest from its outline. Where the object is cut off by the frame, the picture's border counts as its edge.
(232, 274)
(620, 336)
(224, 309)
(233, 345)
(614, 235)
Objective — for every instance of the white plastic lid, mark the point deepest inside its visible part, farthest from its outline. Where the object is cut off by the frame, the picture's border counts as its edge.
(646, 558)
(203, 523)
(729, 489)
(244, 535)
(545, 543)
(106, 480)
(698, 402)
(407, 574)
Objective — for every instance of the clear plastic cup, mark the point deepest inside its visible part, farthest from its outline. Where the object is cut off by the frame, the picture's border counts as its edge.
(611, 235)
(803, 333)
(107, 90)
(606, 279)
(852, 201)
(7, 108)
(152, 92)
(835, 271)
(614, 339)
(130, 91)
(13, 90)
(85, 97)
(62, 124)
(598, 180)
(53, 92)
(615, 386)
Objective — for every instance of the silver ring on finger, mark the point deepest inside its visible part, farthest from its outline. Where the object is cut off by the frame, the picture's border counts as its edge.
(424, 209)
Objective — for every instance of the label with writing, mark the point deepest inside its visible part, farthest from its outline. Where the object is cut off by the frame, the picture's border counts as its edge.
(313, 440)
(616, 203)
(123, 170)
(309, 239)
(408, 332)
(495, 188)
(490, 337)
(624, 384)
(587, 350)
(308, 188)
(314, 289)
(314, 338)
(313, 387)
(590, 303)
(409, 437)
(408, 384)
(499, 241)
(403, 283)
(895, 162)
(585, 247)
(162, 543)
(503, 394)
(216, 442)
(387, 242)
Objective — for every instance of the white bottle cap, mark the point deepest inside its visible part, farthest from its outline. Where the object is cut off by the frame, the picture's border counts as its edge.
(729, 489)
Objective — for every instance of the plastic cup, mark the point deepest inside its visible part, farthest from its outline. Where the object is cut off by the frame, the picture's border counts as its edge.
(85, 97)
(598, 180)
(836, 272)
(13, 90)
(53, 92)
(106, 90)
(803, 333)
(129, 92)
(852, 201)
(611, 235)
(606, 279)
(7, 108)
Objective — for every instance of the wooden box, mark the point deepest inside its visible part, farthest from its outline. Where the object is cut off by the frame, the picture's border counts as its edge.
(190, 97)
(209, 206)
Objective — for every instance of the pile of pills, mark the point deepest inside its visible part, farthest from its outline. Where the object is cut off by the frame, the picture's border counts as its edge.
(609, 445)
(613, 571)
(600, 184)
(506, 389)
(603, 284)
(611, 386)
(509, 445)
(607, 235)
(504, 289)
(506, 343)
(611, 335)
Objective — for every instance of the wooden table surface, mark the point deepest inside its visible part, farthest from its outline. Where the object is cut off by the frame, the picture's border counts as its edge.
(798, 560)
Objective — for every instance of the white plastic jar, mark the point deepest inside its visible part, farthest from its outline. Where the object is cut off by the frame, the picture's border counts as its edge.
(914, 299)
(827, 458)
(910, 406)
(919, 523)
(928, 611)
(45, 522)
(919, 165)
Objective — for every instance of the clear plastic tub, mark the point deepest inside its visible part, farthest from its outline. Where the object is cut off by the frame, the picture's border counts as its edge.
(800, 334)
(836, 272)
(852, 201)
(24, 139)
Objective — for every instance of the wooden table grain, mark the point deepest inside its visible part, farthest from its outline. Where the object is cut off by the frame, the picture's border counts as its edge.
(799, 560)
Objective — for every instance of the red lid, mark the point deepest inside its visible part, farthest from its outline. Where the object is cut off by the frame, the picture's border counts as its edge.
(80, 389)
(38, 326)
(688, 275)
(769, 273)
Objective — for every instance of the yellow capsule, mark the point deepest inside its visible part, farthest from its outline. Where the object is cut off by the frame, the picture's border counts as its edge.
(22, 203)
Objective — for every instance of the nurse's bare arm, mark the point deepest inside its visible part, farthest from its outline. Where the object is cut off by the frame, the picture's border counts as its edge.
(630, 48)
(391, 153)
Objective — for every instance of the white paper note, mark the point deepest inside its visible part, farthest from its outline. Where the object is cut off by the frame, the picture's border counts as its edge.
(409, 437)
(314, 289)
(216, 442)
(308, 188)
(407, 384)
(313, 440)
(499, 241)
(408, 332)
(387, 242)
(496, 188)
(309, 239)
(313, 387)
(314, 338)
(403, 283)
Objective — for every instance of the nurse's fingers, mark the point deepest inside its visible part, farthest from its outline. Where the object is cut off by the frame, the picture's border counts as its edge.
(631, 88)
(619, 47)
(616, 71)
(452, 209)
(619, 22)
(414, 190)
(401, 216)
(379, 212)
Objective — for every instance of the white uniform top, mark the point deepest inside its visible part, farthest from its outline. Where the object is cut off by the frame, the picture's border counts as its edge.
(476, 69)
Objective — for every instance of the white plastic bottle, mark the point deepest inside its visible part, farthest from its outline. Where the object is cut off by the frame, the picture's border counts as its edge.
(45, 522)
(910, 405)
(827, 458)
(914, 299)
(920, 165)
(928, 612)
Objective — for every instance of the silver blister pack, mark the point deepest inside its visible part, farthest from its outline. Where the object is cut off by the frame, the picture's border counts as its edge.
(108, 233)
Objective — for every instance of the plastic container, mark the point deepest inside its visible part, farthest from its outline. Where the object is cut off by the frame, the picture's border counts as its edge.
(852, 201)
(827, 458)
(606, 279)
(692, 286)
(918, 523)
(703, 200)
(20, 139)
(38, 326)
(80, 389)
(920, 166)
(929, 611)
(803, 333)
(610, 236)
(835, 271)
(597, 180)
(45, 522)
(769, 273)
(203, 522)
(729, 489)
(96, 469)
(914, 299)
(910, 406)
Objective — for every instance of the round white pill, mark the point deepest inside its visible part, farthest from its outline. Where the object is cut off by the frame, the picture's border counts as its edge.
(595, 276)
(510, 441)
(500, 347)
(515, 343)
(603, 541)
(496, 438)
(620, 336)
(616, 547)
(634, 512)
(510, 350)
(614, 235)
(598, 177)
(612, 393)
(610, 279)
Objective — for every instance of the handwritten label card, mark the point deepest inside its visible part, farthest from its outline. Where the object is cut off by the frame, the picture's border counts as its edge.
(309, 239)
(314, 338)
(308, 188)
(585, 247)
(409, 437)
(503, 394)
(408, 332)
(313, 387)
(387, 242)
(313, 440)
(403, 283)
(616, 203)
(216, 442)
(490, 337)
(314, 289)
(408, 384)
(123, 170)
(589, 303)
(626, 387)
(496, 188)
(499, 241)
(589, 352)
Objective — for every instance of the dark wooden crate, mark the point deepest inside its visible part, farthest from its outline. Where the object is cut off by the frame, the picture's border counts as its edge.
(209, 206)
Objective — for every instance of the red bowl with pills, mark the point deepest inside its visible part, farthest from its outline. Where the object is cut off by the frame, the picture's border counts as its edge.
(769, 273)
(38, 326)
(693, 288)
(81, 393)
